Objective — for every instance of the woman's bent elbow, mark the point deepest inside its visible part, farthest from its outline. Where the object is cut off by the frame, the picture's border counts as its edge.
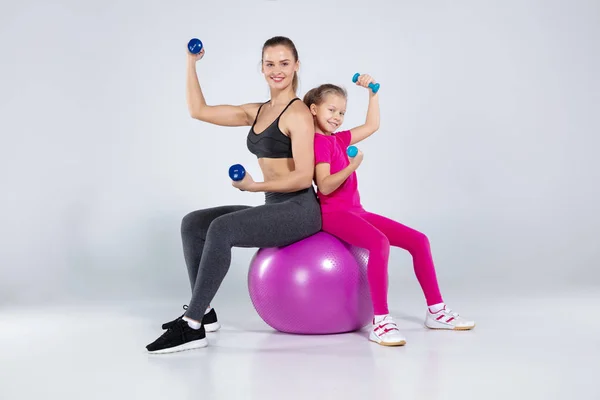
(196, 115)
(305, 182)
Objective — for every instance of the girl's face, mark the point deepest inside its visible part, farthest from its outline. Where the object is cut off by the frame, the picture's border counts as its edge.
(279, 66)
(329, 115)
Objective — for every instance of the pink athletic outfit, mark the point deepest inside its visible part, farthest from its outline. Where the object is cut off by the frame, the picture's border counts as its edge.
(344, 217)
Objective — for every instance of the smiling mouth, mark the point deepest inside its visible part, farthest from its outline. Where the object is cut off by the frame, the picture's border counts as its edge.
(277, 79)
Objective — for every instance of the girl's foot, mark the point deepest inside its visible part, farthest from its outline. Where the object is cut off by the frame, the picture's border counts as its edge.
(385, 332)
(445, 318)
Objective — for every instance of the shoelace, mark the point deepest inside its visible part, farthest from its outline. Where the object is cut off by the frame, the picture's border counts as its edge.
(185, 307)
(177, 328)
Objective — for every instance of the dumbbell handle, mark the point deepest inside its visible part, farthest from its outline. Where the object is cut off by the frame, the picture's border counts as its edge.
(373, 86)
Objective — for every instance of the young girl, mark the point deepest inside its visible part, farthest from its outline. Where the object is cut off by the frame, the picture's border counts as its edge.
(343, 215)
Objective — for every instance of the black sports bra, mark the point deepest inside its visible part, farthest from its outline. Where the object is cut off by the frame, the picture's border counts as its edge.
(270, 143)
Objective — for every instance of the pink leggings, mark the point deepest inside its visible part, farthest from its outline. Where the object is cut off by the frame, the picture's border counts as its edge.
(376, 233)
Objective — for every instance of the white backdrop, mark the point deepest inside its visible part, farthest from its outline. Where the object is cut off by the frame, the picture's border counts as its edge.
(489, 132)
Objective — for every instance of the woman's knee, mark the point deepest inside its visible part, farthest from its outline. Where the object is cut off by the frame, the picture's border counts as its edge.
(219, 226)
(195, 221)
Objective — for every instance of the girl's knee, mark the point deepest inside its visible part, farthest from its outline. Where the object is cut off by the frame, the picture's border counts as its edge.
(380, 244)
(422, 240)
(419, 242)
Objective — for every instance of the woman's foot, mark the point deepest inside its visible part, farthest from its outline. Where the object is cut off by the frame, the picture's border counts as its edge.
(385, 332)
(179, 336)
(210, 322)
(445, 318)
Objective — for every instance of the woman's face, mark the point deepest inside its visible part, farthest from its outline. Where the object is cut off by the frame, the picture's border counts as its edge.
(279, 66)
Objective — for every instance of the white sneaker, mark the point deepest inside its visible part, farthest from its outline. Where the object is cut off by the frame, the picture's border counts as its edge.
(386, 333)
(447, 319)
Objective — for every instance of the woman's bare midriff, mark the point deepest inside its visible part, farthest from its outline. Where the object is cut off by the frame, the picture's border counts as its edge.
(275, 168)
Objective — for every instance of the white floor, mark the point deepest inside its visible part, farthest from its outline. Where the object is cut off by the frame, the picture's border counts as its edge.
(524, 347)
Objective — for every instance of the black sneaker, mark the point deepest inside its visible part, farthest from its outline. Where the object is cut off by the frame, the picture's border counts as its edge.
(179, 337)
(169, 324)
(209, 321)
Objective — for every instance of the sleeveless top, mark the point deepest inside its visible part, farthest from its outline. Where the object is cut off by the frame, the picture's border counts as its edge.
(270, 143)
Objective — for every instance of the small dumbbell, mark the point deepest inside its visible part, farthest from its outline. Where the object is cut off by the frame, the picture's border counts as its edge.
(352, 151)
(195, 46)
(237, 172)
(373, 86)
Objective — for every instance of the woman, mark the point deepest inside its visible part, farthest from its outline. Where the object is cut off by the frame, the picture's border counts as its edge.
(282, 138)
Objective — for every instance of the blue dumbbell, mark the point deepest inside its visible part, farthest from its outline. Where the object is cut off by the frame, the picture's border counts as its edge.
(237, 172)
(374, 86)
(352, 151)
(195, 46)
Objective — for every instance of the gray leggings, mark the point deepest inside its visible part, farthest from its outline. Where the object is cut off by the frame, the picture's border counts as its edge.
(208, 236)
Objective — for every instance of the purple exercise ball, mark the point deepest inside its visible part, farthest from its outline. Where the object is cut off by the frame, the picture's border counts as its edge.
(318, 285)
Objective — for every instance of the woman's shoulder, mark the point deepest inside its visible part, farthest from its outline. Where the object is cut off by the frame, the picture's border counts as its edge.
(298, 106)
(251, 110)
(297, 115)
